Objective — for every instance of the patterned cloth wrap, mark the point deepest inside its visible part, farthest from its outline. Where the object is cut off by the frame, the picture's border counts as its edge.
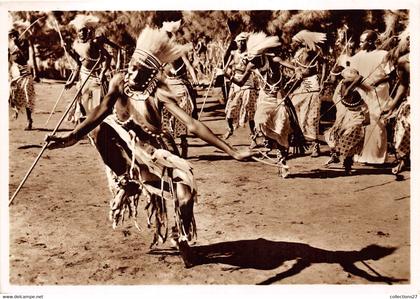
(181, 90)
(402, 130)
(307, 104)
(241, 102)
(347, 134)
(22, 91)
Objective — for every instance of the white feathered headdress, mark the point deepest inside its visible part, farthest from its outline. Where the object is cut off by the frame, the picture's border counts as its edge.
(172, 26)
(82, 21)
(242, 36)
(154, 48)
(259, 42)
(309, 38)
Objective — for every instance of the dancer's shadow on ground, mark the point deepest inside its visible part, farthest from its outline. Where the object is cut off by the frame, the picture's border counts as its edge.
(264, 254)
(215, 157)
(50, 130)
(325, 173)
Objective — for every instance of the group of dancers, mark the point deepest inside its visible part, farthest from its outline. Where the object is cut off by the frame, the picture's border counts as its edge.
(133, 121)
(287, 113)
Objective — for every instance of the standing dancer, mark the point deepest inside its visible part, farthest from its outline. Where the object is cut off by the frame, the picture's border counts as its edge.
(86, 51)
(346, 136)
(133, 143)
(370, 64)
(22, 92)
(240, 106)
(177, 79)
(310, 71)
(399, 106)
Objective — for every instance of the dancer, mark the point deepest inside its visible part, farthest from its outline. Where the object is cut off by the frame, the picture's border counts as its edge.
(371, 64)
(86, 51)
(134, 145)
(177, 79)
(346, 136)
(310, 71)
(22, 92)
(240, 106)
(399, 106)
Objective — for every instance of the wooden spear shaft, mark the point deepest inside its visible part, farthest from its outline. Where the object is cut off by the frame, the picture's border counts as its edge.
(58, 100)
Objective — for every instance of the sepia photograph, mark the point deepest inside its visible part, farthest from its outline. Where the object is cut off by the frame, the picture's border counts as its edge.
(224, 147)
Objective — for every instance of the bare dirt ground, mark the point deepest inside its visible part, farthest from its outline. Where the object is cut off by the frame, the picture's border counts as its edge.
(316, 227)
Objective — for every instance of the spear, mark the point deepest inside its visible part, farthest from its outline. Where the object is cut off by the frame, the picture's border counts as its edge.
(33, 23)
(211, 84)
(58, 100)
(54, 131)
(206, 95)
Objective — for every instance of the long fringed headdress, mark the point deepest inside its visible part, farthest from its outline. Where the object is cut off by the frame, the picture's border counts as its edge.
(309, 38)
(259, 42)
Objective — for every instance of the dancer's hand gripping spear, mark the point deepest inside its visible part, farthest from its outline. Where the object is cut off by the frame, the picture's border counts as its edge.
(53, 132)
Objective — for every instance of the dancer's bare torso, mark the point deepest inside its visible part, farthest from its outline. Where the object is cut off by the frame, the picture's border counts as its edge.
(89, 52)
(145, 113)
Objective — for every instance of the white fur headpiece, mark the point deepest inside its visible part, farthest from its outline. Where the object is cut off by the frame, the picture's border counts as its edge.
(309, 38)
(82, 21)
(172, 26)
(259, 42)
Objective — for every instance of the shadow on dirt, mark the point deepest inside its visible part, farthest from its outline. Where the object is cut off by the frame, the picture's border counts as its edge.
(264, 254)
(50, 130)
(339, 172)
(26, 146)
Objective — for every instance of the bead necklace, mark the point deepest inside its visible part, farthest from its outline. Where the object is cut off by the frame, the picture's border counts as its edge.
(140, 95)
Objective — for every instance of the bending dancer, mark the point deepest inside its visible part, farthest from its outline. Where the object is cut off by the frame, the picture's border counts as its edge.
(241, 103)
(275, 117)
(310, 72)
(346, 136)
(130, 125)
(22, 92)
(86, 51)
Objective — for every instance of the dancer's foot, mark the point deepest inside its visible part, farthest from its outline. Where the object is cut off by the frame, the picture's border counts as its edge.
(397, 169)
(347, 163)
(187, 254)
(316, 151)
(227, 134)
(184, 149)
(283, 168)
(333, 159)
(28, 127)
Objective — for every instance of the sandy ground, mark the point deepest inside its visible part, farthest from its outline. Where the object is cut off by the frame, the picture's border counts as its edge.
(316, 227)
